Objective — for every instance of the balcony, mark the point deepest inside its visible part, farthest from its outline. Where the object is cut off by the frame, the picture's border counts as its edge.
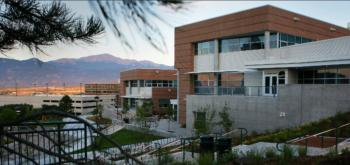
(241, 90)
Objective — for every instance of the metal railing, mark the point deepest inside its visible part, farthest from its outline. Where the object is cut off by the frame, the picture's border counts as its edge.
(240, 90)
(330, 138)
(28, 141)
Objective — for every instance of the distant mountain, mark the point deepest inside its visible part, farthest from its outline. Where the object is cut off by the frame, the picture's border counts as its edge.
(90, 69)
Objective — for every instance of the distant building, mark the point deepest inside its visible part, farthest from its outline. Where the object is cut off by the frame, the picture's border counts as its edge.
(82, 104)
(104, 89)
(139, 85)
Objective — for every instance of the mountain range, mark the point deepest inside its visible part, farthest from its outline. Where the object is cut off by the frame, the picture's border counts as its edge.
(103, 68)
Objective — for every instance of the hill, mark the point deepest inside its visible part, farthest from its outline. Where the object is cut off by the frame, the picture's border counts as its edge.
(90, 69)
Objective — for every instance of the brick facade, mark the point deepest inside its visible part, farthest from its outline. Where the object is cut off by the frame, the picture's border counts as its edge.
(151, 74)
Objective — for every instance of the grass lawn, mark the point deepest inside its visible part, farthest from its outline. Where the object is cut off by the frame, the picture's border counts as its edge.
(124, 137)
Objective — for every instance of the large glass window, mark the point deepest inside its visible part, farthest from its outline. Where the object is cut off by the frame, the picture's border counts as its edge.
(273, 40)
(203, 48)
(287, 40)
(242, 43)
(325, 75)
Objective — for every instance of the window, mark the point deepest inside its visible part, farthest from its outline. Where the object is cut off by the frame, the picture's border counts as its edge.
(273, 40)
(148, 83)
(242, 43)
(203, 48)
(133, 83)
(126, 83)
(325, 75)
(287, 40)
(142, 83)
(281, 78)
(164, 103)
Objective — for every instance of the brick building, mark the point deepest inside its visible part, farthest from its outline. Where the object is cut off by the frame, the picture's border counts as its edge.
(253, 51)
(156, 85)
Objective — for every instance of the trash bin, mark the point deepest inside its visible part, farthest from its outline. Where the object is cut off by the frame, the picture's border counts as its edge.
(206, 143)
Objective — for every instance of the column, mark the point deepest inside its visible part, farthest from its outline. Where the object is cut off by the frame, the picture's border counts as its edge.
(267, 40)
(216, 55)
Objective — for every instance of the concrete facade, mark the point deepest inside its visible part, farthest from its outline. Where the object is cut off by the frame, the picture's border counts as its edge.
(296, 104)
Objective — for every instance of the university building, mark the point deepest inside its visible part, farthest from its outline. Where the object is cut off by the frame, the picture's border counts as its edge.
(273, 68)
(104, 89)
(82, 104)
(155, 85)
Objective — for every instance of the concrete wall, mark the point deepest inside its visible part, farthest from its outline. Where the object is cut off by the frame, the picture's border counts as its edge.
(295, 105)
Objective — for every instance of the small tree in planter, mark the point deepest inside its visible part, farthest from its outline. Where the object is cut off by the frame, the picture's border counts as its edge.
(169, 113)
(126, 107)
(142, 112)
(225, 122)
(203, 120)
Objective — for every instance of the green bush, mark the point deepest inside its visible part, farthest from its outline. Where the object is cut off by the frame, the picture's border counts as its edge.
(227, 158)
(302, 151)
(7, 115)
(206, 159)
(254, 157)
(270, 153)
(287, 152)
(310, 128)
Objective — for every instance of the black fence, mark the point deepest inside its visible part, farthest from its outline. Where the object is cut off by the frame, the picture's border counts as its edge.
(28, 141)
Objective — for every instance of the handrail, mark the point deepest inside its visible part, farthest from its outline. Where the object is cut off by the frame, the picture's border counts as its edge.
(295, 140)
(64, 114)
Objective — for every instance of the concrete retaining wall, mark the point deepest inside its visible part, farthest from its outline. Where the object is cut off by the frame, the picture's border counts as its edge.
(295, 104)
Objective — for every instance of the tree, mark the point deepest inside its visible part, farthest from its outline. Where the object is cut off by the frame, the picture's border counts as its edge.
(66, 104)
(138, 15)
(204, 120)
(32, 24)
(169, 113)
(98, 111)
(7, 115)
(144, 111)
(126, 107)
(225, 121)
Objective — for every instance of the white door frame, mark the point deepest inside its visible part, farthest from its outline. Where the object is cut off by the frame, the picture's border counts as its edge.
(269, 86)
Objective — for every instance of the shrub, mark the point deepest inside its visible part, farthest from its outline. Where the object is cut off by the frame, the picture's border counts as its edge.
(287, 152)
(228, 157)
(270, 153)
(206, 159)
(345, 151)
(254, 156)
(302, 151)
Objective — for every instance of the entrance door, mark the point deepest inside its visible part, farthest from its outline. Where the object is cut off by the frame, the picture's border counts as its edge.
(270, 85)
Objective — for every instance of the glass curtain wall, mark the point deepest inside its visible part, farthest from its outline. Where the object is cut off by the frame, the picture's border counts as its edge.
(325, 75)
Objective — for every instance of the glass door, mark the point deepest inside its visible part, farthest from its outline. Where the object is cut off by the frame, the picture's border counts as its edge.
(271, 83)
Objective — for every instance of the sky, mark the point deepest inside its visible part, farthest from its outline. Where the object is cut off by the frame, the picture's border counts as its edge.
(335, 12)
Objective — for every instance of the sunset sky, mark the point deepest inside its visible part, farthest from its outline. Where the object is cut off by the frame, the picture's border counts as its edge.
(336, 12)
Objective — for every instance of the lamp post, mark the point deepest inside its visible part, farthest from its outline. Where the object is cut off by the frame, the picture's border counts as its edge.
(80, 88)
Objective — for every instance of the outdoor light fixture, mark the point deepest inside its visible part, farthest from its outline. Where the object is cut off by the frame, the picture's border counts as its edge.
(296, 19)
(332, 29)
